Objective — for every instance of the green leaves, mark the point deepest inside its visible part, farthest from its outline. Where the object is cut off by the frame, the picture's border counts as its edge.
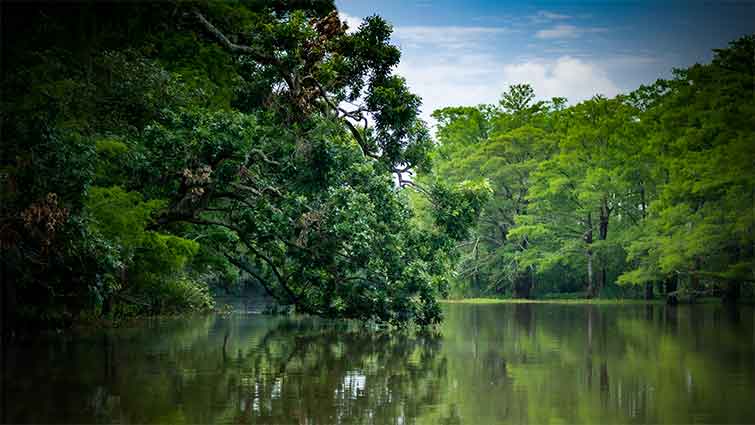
(121, 215)
(701, 221)
(261, 141)
(156, 261)
(456, 209)
(643, 187)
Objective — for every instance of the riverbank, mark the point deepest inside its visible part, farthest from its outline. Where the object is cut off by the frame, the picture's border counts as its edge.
(568, 301)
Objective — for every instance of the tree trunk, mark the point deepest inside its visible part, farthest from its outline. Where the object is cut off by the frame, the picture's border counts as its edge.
(590, 287)
(523, 280)
(670, 285)
(643, 202)
(523, 285)
(732, 288)
(588, 252)
(107, 305)
(694, 280)
(649, 290)
(603, 235)
(731, 292)
(476, 277)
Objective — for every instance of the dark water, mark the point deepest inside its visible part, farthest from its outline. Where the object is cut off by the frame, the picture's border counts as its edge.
(487, 364)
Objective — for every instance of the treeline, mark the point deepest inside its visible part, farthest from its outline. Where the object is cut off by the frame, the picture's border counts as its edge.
(649, 192)
(153, 153)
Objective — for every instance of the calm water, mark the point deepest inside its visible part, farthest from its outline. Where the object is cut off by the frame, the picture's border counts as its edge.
(487, 364)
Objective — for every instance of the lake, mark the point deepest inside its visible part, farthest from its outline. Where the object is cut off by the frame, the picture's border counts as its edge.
(486, 364)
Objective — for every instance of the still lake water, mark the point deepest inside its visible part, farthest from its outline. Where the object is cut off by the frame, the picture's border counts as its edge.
(487, 364)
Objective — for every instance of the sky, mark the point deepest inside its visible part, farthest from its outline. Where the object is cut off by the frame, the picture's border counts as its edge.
(467, 52)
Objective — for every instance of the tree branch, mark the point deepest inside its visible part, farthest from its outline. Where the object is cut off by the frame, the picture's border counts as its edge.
(245, 50)
(354, 132)
(233, 47)
(240, 265)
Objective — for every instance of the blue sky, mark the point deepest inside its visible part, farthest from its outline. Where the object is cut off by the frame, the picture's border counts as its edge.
(468, 52)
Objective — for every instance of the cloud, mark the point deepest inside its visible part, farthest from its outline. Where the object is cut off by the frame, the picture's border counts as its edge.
(447, 37)
(550, 15)
(544, 16)
(566, 31)
(481, 79)
(440, 34)
(450, 65)
(352, 21)
(559, 31)
(450, 37)
(633, 60)
(496, 19)
(455, 65)
(452, 80)
(573, 78)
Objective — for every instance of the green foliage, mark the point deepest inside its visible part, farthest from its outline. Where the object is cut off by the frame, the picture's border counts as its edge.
(648, 188)
(456, 210)
(120, 215)
(206, 143)
(155, 262)
(181, 293)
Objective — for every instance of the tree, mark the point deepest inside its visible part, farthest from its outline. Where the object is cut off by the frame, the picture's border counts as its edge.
(502, 145)
(652, 187)
(222, 133)
(700, 225)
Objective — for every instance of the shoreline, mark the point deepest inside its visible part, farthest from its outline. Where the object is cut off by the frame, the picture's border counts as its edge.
(578, 301)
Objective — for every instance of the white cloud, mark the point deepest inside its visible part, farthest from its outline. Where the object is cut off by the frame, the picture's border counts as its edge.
(569, 77)
(566, 31)
(551, 15)
(559, 31)
(632, 60)
(352, 21)
(480, 78)
(450, 37)
(543, 16)
(454, 66)
(446, 80)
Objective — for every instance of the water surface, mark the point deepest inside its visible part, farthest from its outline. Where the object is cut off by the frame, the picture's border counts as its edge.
(487, 364)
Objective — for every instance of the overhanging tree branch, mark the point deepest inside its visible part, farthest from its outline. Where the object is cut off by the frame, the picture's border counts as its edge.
(239, 49)
(240, 265)
(233, 47)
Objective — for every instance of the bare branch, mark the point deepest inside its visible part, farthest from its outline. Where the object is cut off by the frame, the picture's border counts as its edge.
(239, 49)
(233, 47)
(240, 265)
(354, 132)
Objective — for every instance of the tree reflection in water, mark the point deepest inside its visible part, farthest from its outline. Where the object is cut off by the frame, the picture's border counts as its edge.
(232, 370)
(309, 374)
(495, 364)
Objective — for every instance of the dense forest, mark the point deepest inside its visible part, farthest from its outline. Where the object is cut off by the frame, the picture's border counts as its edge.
(155, 154)
(649, 192)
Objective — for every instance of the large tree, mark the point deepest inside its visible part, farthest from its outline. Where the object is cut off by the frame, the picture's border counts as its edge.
(700, 222)
(503, 144)
(260, 136)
